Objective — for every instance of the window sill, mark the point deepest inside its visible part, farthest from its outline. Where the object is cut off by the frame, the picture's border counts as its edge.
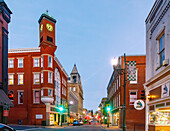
(36, 83)
(10, 84)
(36, 103)
(159, 67)
(20, 67)
(20, 84)
(20, 103)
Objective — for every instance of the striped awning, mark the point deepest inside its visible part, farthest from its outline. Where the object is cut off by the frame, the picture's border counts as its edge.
(4, 100)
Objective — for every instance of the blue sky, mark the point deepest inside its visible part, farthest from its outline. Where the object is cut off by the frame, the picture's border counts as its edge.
(89, 33)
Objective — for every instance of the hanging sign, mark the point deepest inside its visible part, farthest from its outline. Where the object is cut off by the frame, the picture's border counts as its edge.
(165, 90)
(5, 113)
(131, 70)
(139, 104)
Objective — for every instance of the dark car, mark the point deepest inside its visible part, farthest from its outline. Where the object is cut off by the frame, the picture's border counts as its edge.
(76, 122)
(4, 127)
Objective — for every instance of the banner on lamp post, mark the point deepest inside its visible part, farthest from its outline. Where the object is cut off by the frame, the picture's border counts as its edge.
(131, 71)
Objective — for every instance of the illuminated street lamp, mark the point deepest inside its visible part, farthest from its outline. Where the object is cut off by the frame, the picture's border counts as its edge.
(114, 62)
(61, 110)
(99, 109)
(71, 102)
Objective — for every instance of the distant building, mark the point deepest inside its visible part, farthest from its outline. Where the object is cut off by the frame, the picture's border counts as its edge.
(75, 87)
(157, 83)
(135, 119)
(5, 103)
(37, 82)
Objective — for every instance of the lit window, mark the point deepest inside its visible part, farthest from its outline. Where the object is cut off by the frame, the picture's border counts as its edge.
(36, 96)
(20, 79)
(50, 93)
(11, 79)
(119, 80)
(162, 49)
(135, 82)
(36, 62)
(133, 97)
(11, 63)
(36, 78)
(119, 99)
(49, 61)
(42, 79)
(50, 77)
(11, 95)
(41, 61)
(20, 97)
(20, 63)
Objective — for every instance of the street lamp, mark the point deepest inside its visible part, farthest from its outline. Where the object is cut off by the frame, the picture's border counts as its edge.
(108, 109)
(71, 102)
(122, 72)
(61, 110)
(99, 109)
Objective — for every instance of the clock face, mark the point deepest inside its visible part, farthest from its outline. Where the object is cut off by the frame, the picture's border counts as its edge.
(41, 28)
(49, 27)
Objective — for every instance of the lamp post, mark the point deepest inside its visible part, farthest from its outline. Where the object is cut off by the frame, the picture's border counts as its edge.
(61, 110)
(115, 63)
(108, 109)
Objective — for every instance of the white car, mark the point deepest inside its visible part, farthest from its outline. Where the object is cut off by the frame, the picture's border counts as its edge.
(81, 122)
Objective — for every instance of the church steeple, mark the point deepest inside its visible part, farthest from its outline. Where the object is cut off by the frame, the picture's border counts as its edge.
(74, 71)
(75, 77)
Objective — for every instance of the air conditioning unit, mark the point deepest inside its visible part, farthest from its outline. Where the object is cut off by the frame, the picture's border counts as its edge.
(165, 62)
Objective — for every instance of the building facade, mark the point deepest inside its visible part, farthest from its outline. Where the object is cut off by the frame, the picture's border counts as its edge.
(157, 85)
(37, 82)
(135, 119)
(74, 86)
(5, 103)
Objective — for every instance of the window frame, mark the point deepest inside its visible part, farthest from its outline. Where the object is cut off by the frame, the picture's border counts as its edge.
(50, 64)
(22, 62)
(50, 79)
(34, 102)
(12, 62)
(42, 60)
(34, 80)
(135, 82)
(161, 51)
(19, 97)
(9, 79)
(134, 95)
(49, 92)
(19, 79)
(36, 63)
(42, 77)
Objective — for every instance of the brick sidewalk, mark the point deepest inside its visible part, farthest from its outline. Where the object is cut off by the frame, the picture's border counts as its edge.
(116, 128)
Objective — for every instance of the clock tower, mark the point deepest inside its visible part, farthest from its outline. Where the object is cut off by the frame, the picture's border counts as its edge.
(47, 31)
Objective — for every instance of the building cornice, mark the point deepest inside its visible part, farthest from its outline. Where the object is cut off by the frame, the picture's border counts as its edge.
(157, 76)
(24, 50)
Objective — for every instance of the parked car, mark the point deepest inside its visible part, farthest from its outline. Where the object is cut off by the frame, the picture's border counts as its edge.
(4, 127)
(76, 122)
(81, 123)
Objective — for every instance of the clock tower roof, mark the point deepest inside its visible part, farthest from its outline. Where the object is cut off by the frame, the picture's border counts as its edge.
(47, 16)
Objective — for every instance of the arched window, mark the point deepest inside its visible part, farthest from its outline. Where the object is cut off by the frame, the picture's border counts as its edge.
(11, 95)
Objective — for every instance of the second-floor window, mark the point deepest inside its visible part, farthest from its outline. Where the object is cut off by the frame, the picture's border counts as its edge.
(42, 77)
(41, 61)
(20, 97)
(20, 63)
(50, 78)
(11, 63)
(136, 81)
(11, 79)
(36, 78)
(162, 49)
(133, 97)
(20, 79)
(36, 96)
(50, 93)
(36, 62)
(49, 61)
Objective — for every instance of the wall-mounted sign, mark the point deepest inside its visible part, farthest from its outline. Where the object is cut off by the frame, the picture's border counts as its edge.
(38, 116)
(5, 113)
(131, 70)
(139, 104)
(165, 90)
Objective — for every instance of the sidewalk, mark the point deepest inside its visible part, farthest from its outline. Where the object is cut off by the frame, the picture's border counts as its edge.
(116, 128)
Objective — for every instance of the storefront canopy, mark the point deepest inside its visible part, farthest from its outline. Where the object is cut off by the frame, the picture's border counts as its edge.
(4, 100)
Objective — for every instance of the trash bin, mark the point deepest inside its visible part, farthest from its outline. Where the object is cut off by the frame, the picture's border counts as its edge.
(20, 122)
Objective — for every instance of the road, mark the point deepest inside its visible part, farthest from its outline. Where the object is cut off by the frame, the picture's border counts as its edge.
(70, 128)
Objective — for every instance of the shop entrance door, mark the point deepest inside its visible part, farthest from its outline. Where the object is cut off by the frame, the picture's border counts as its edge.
(1, 114)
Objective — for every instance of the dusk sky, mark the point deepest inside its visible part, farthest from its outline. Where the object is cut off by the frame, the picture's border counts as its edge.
(89, 33)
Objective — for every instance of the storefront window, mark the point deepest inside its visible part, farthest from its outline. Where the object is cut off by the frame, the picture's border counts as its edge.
(159, 117)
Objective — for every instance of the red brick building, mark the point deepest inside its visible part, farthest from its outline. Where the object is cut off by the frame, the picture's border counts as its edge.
(115, 90)
(37, 82)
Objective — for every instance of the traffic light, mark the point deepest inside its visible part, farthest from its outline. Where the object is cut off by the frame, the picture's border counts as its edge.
(11, 95)
(61, 108)
(142, 94)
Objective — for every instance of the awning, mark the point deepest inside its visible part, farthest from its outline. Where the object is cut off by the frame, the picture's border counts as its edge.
(115, 110)
(4, 100)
